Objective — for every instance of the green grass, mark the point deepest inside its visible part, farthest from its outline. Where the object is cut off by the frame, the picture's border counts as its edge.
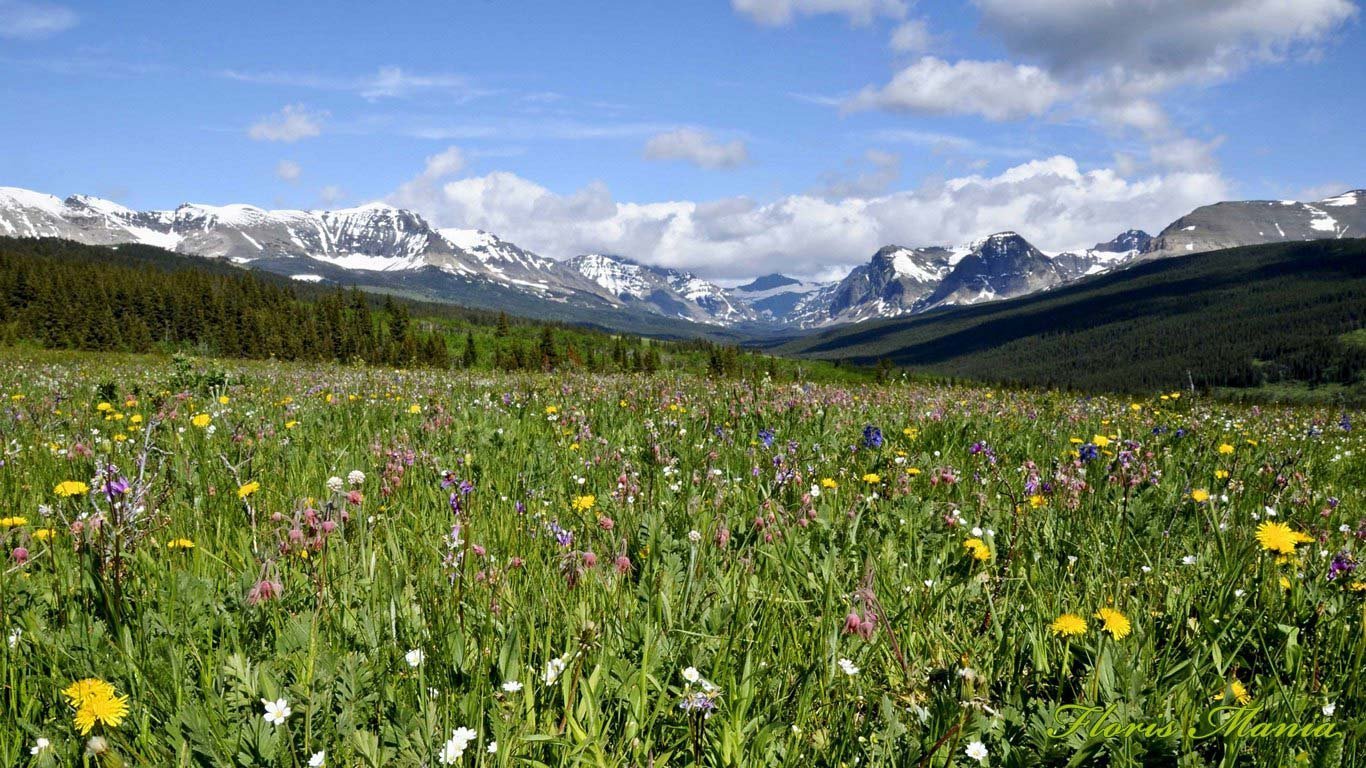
(703, 546)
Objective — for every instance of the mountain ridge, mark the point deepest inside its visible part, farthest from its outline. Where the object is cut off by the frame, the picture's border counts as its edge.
(380, 246)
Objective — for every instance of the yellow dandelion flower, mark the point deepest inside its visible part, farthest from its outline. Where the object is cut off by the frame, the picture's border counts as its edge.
(913, 471)
(1068, 625)
(108, 710)
(1037, 501)
(201, 420)
(583, 503)
(978, 549)
(1114, 622)
(71, 488)
(872, 478)
(1239, 692)
(104, 407)
(223, 400)
(44, 534)
(82, 691)
(1200, 495)
(13, 522)
(180, 544)
(414, 408)
(829, 482)
(1100, 441)
(248, 489)
(1280, 538)
(1225, 448)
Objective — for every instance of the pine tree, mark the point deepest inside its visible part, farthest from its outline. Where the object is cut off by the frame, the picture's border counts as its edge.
(471, 356)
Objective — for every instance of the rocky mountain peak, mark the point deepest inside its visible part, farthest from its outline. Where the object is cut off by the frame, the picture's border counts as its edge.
(1129, 240)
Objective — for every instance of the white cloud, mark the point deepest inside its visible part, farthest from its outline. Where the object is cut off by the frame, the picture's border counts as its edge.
(697, 147)
(31, 21)
(879, 170)
(386, 83)
(423, 187)
(331, 194)
(996, 90)
(1115, 58)
(778, 12)
(447, 162)
(1108, 62)
(912, 37)
(1052, 202)
(1159, 42)
(288, 170)
(1184, 153)
(291, 123)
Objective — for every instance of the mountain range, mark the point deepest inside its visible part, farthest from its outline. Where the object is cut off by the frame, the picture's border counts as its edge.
(380, 247)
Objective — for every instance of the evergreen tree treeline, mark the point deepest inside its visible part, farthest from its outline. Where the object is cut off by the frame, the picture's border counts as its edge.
(103, 306)
(65, 295)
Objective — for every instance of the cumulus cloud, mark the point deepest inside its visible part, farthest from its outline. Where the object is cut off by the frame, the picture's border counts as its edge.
(448, 162)
(292, 123)
(442, 165)
(778, 12)
(1106, 61)
(288, 170)
(697, 147)
(1052, 202)
(1159, 42)
(996, 90)
(31, 21)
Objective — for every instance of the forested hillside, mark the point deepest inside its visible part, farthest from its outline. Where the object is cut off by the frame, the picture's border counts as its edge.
(57, 294)
(1261, 316)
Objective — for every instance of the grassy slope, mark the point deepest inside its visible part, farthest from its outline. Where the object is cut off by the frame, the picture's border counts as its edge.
(1246, 309)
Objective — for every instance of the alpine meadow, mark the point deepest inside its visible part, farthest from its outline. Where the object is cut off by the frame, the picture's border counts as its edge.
(739, 384)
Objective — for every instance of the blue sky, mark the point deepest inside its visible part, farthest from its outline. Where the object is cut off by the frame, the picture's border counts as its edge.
(724, 137)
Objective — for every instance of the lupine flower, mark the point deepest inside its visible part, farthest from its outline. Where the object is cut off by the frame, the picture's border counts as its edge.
(872, 437)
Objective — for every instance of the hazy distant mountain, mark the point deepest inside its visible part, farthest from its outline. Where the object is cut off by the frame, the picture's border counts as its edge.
(668, 292)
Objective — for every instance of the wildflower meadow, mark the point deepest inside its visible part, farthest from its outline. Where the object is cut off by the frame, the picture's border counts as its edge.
(259, 564)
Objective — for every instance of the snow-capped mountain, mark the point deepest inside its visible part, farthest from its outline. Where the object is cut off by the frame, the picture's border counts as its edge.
(775, 297)
(996, 267)
(668, 292)
(386, 248)
(347, 245)
(890, 284)
(1252, 222)
(903, 281)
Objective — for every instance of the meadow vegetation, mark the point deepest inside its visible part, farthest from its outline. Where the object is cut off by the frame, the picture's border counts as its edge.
(268, 564)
